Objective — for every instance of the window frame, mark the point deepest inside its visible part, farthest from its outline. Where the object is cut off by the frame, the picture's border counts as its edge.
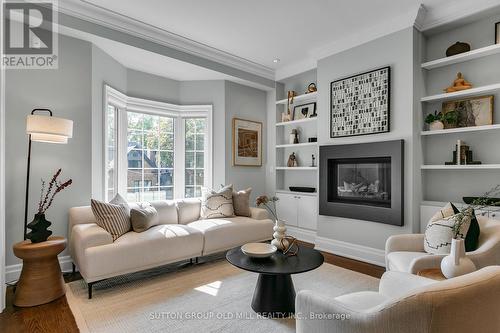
(123, 104)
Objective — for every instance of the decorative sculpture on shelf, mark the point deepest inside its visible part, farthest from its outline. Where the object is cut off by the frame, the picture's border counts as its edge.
(313, 160)
(292, 161)
(459, 84)
(311, 88)
(287, 116)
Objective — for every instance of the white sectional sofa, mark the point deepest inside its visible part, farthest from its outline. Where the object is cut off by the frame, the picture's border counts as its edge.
(180, 236)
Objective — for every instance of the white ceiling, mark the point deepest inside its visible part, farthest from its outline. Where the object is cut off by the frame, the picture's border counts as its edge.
(261, 30)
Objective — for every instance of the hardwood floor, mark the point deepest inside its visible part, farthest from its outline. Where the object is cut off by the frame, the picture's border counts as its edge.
(57, 317)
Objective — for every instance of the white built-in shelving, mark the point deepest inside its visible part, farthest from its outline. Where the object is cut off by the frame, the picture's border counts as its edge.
(461, 167)
(297, 168)
(311, 194)
(294, 145)
(461, 94)
(297, 122)
(462, 57)
(462, 130)
(299, 99)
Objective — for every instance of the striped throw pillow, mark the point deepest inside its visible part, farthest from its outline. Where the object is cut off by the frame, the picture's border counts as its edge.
(110, 217)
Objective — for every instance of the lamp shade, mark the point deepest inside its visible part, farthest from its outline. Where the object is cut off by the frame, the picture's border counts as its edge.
(49, 129)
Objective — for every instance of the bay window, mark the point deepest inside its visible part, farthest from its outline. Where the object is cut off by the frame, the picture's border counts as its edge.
(154, 150)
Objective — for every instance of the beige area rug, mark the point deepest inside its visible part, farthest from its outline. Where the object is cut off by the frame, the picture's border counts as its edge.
(208, 297)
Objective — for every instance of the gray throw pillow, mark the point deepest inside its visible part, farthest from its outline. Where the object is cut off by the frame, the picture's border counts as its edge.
(241, 202)
(144, 217)
(217, 204)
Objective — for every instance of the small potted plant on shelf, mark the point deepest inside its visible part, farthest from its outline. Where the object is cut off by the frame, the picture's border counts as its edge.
(437, 120)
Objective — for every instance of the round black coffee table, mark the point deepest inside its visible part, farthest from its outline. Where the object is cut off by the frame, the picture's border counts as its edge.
(274, 293)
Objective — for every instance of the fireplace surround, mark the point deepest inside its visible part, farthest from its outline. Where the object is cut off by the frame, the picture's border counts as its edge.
(363, 181)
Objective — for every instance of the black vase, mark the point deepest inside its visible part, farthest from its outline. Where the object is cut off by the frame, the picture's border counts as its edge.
(39, 232)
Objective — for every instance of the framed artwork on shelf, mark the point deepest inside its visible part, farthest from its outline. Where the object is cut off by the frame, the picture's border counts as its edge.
(304, 111)
(360, 104)
(474, 111)
(247, 142)
(497, 33)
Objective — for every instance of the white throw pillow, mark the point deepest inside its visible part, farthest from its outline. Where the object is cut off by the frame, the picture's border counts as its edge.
(439, 231)
(217, 204)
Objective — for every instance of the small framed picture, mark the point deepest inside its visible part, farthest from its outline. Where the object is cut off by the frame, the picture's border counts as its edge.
(497, 33)
(304, 111)
(247, 142)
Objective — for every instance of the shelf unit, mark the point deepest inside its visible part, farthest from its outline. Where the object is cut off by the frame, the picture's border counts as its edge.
(299, 99)
(297, 122)
(461, 94)
(461, 130)
(449, 136)
(302, 175)
(297, 168)
(298, 145)
(462, 57)
(461, 167)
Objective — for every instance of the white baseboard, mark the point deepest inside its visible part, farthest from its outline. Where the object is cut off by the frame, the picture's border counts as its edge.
(350, 250)
(13, 272)
(301, 234)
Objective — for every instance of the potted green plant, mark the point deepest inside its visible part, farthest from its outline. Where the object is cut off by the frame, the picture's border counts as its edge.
(437, 120)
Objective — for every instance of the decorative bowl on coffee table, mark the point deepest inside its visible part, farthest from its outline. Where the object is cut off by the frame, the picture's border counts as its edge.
(258, 250)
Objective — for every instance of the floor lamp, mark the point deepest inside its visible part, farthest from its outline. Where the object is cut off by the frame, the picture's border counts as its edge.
(44, 128)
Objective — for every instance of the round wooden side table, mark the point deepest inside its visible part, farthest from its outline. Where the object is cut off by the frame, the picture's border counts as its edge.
(432, 273)
(41, 279)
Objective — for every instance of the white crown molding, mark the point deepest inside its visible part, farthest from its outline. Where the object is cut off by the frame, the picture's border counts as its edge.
(92, 13)
(453, 11)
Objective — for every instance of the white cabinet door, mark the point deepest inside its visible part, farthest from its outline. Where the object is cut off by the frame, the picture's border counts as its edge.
(286, 208)
(307, 212)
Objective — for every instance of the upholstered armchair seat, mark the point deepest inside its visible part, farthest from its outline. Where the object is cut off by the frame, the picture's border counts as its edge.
(407, 303)
(405, 253)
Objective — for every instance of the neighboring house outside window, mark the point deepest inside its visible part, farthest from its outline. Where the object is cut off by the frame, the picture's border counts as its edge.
(156, 151)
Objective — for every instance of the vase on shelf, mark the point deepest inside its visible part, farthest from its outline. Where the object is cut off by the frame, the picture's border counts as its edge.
(457, 263)
(279, 235)
(436, 125)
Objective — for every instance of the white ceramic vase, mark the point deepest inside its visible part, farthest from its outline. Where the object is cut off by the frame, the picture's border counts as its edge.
(457, 263)
(278, 235)
(436, 125)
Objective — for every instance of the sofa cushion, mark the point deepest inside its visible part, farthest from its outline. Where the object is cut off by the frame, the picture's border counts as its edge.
(110, 217)
(144, 217)
(217, 204)
(167, 211)
(188, 210)
(223, 234)
(134, 251)
(241, 202)
(362, 300)
(400, 261)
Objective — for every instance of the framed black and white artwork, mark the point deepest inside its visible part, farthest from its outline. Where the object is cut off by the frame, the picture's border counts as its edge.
(360, 104)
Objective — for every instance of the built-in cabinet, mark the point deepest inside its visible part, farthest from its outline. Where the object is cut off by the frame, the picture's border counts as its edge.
(298, 210)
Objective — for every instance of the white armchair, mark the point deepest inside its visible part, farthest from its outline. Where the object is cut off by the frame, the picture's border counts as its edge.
(407, 303)
(405, 253)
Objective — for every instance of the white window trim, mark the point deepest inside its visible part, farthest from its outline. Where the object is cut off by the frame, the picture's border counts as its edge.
(125, 104)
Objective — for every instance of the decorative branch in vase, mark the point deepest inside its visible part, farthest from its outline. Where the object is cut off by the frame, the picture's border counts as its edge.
(282, 242)
(39, 226)
(457, 263)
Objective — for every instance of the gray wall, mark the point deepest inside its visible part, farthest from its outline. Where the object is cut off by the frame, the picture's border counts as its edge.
(67, 91)
(105, 71)
(453, 185)
(299, 82)
(249, 104)
(395, 50)
(154, 87)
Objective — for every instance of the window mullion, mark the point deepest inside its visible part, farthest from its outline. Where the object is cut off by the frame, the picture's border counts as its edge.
(179, 158)
(121, 158)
